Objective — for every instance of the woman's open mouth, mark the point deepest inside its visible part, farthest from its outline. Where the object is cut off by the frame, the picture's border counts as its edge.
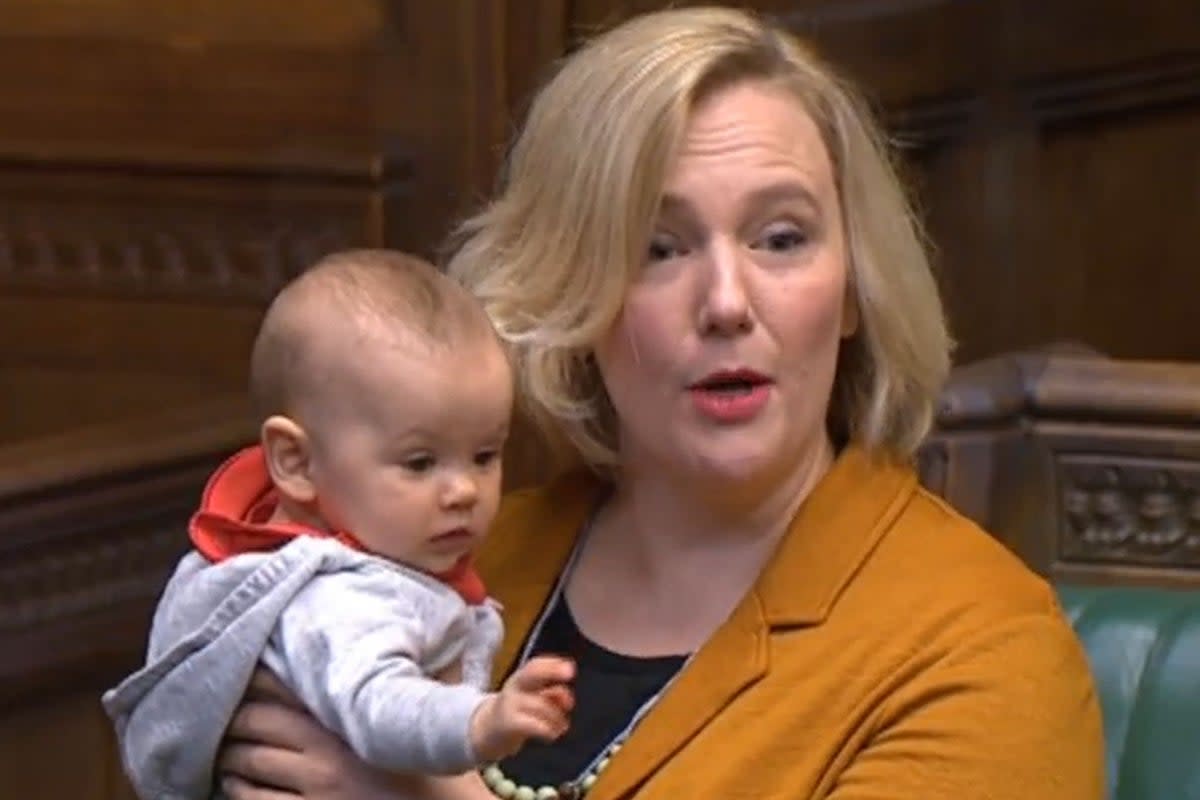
(731, 396)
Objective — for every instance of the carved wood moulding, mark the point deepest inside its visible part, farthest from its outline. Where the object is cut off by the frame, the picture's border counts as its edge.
(1129, 510)
(161, 254)
(76, 595)
(201, 250)
(167, 226)
(110, 566)
(1166, 82)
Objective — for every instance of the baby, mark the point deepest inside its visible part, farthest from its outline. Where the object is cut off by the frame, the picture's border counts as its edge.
(337, 552)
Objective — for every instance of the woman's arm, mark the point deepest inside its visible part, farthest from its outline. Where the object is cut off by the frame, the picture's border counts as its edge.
(275, 750)
(1011, 714)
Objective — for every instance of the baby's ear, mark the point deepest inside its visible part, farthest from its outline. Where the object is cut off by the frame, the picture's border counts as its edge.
(289, 458)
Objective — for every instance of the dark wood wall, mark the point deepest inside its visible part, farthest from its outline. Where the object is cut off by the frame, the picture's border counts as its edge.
(164, 167)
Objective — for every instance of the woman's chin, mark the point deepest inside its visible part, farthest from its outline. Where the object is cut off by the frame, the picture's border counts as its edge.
(732, 465)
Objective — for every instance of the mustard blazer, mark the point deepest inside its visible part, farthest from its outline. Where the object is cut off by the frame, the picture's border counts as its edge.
(890, 649)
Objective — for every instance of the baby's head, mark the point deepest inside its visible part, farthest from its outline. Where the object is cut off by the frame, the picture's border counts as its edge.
(385, 398)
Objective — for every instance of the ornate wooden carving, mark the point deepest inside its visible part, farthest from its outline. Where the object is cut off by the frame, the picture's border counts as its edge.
(186, 258)
(116, 563)
(235, 236)
(1087, 467)
(1166, 82)
(1129, 510)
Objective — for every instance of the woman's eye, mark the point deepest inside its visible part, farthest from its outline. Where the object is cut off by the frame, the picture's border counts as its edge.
(418, 464)
(782, 238)
(662, 247)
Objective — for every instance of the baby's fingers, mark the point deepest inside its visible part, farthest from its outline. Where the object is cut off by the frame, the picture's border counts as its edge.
(561, 696)
(542, 718)
(543, 671)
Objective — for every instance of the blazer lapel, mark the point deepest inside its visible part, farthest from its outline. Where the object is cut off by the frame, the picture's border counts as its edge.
(830, 537)
(531, 540)
(734, 658)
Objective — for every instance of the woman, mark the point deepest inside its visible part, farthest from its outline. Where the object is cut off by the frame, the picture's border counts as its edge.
(717, 299)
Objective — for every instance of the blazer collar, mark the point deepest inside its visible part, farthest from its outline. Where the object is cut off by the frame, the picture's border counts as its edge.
(832, 534)
(830, 537)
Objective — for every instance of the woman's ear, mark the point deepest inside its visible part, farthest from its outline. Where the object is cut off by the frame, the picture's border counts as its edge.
(288, 453)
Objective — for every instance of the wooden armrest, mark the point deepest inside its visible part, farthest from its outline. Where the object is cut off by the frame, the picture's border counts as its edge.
(111, 449)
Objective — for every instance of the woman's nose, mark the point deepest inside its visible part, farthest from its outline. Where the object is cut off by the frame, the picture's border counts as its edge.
(725, 302)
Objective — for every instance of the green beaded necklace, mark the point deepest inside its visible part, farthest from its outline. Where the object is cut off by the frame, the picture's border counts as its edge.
(504, 788)
(507, 789)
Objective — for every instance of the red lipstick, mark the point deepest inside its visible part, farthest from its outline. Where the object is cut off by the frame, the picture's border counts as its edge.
(730, 396)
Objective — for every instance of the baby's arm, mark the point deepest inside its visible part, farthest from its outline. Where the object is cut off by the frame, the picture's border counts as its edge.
(351, 646)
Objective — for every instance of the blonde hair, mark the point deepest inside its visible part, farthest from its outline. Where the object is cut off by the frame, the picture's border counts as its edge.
(355, 292)
(552, 256)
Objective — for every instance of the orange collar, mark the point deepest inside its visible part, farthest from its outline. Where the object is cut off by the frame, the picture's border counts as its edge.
(238, 501)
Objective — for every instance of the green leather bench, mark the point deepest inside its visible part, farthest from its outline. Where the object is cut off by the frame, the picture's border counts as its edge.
(1144, 648)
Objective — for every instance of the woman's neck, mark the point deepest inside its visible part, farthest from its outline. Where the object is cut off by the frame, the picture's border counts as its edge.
(667, 516)
(667, 561)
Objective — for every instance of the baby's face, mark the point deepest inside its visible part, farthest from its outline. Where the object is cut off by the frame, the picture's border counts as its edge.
(408, 456)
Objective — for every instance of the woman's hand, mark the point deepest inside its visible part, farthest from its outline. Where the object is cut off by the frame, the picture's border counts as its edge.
(275, 750)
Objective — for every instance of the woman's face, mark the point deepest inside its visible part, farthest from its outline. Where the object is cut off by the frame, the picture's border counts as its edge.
(722, 361)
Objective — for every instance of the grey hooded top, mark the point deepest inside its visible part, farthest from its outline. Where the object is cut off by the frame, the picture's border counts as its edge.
(356, 637)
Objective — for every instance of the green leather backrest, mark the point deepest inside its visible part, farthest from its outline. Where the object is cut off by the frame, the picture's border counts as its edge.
(1144, 649)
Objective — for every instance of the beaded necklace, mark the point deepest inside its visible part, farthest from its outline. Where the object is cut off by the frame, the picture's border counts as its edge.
(504, 787)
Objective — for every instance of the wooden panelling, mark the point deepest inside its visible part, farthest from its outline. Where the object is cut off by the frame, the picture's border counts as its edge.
(91, 334)
(60, 749)
(396, 107)
(1116, 198)
(535, 37)
(40, 400)
(1089, 36)
(255, 78)
(166, 169)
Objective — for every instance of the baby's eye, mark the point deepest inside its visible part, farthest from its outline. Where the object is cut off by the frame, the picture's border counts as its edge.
(486, 457)
(420, 463)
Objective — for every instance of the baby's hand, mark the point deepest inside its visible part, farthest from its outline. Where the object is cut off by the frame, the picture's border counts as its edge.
(535, 702)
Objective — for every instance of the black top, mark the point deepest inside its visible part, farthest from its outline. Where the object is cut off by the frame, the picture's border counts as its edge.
(609, 690)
